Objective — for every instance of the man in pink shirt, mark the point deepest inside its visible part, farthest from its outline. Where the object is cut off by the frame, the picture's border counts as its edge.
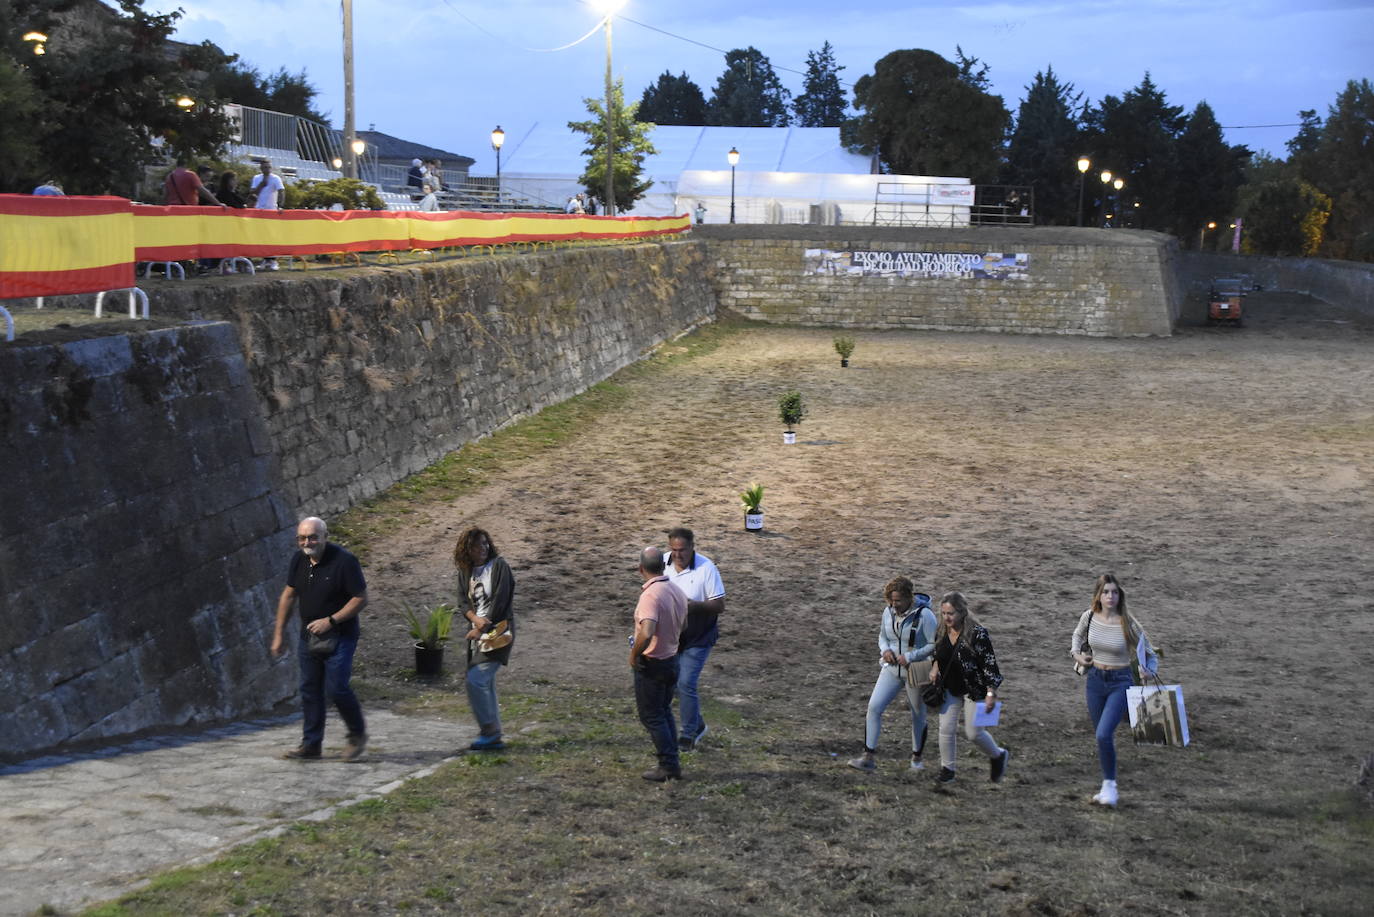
(659, 617)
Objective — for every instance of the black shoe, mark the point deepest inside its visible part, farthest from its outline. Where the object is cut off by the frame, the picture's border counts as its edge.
(999, 765)
(303, 753)
(661, 773)
(946, 775)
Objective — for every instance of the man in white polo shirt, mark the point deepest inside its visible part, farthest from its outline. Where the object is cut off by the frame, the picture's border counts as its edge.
(698, 577)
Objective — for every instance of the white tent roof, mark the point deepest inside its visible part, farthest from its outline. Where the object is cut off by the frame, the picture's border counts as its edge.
(549, 150)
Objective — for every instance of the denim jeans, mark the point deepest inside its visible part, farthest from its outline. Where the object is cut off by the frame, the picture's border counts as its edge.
(655, 684)
(1106, 693)
(949, 730)
(481, 685)
(891, 682)
(690, 662)
(324, 679)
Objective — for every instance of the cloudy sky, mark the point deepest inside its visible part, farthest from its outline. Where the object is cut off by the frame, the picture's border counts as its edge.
(445, 72)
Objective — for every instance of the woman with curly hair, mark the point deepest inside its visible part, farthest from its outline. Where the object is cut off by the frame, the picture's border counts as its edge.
(906, 639)
(1106, 641)
(486, 583)
(965, 662)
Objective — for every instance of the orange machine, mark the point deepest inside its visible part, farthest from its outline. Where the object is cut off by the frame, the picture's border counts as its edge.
(1224, 302)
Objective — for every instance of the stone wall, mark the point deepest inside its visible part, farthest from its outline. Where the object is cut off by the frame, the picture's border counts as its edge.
(1076, 281)
(139, 538)
(1344, 283)
(153, 477)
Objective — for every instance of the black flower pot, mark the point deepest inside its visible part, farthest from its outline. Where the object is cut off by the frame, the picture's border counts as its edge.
(429, 661)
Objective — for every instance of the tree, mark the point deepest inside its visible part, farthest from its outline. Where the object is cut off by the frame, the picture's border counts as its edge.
(632, 144)
(233, 80)
(1342, 167)
(922, 118)
(978, 78)
(1285, 217)
(1045, 147)
(1135, 138)
(1210, 172)
(107, 88)
(672, 100)
(748, 93)
(822, 102)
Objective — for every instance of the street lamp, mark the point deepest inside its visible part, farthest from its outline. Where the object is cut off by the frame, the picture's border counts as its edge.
(498, 138)
(1202, 234)
(1106, 177)
(733, 157)
(1084, 164)
(609, 8)
(358, 146)
(39, 42)
(186, 103)
(337, 163)
(1118, 184)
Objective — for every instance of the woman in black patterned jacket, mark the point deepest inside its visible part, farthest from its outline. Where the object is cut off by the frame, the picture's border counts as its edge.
(965, 661)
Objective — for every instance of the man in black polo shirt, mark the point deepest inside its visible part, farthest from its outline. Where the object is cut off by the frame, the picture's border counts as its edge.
(329, 582)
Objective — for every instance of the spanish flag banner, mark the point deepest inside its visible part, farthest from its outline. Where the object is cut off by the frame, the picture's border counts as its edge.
(55, 245)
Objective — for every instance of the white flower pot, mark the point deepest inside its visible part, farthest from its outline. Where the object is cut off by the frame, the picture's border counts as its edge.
(789, 438)
(753, 522)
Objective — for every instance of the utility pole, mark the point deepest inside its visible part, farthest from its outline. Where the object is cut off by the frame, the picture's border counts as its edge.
(610, 128)
(350, 157)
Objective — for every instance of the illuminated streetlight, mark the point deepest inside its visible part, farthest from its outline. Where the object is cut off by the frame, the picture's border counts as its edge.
(733, 158)
(498, 139)
(338, 163)
(1106, 177)
(1084, 164)
(186, 103)
(39, 42)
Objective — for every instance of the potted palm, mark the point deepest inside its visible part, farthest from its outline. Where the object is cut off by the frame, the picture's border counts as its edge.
(430, 630)
(752, 498)
(844, 346)
(791, 409)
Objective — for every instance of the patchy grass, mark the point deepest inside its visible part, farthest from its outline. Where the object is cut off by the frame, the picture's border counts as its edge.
(476, 463)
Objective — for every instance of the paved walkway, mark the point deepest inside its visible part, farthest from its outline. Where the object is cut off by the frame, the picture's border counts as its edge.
(79, 829)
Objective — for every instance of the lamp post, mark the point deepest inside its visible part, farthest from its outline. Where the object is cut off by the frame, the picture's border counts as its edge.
(39, 41)
(1118, 184)
(1106, 177)
(498, 138)
(609, 8)
(358, 146)
(733, 157)
(1084, 164)
(1202, 234)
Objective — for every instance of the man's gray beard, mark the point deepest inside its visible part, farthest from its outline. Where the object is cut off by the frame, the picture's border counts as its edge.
(314, 553)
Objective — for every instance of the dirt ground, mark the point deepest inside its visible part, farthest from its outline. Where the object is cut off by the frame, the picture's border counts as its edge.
(1223, 474)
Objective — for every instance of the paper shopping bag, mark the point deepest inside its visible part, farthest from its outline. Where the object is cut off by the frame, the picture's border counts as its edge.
(1157, 714)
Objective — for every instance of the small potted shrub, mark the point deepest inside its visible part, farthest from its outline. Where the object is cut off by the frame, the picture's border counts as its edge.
(430, 630)
(844, 346)
(752, 498)
(791, 409)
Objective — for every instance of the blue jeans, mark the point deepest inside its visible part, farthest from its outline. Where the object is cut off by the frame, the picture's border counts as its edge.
(655, 684)
(1106, 693)
(481, 685)
(324, 679)
(891, 682)
(691, 661)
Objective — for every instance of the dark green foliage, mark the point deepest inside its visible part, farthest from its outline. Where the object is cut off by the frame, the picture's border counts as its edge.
(822, 102)
(748, 93)
(632, 144)
(1045, 147)
(672, 100)
(1284, 217)
(289, 93)
(1210, 172)
(921, 115)
(1342, 167)
(350, 193)
(1135, 138)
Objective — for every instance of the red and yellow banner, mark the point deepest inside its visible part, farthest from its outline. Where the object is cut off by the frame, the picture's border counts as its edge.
(55, 245)
(52, 245)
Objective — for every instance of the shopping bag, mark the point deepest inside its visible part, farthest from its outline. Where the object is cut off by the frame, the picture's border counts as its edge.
(1157, 714)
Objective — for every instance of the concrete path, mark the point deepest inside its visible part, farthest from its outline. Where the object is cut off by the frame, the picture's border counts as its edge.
(79, 829)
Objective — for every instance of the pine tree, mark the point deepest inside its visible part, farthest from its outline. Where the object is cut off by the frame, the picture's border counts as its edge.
(1342, 167)
(632, 144)
(1135, 137)
(748, 93)
(1045, 147)
(672, 100)
(822, 102)
(1210, 172)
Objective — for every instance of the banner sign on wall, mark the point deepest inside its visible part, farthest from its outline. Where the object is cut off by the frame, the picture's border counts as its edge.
(917, 265)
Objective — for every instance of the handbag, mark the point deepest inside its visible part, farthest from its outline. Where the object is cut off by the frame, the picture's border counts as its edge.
(1157, 714)
(321, 644)
(933, 694)
(1086, 649)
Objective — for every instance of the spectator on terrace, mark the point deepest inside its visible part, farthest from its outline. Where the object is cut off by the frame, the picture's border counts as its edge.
(49, 188)
(267, 186)
(184, 188)
(415, 175)
(228, 190)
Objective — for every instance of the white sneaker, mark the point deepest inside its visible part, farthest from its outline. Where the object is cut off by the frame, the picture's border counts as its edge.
(1107, 795)
(917, 764)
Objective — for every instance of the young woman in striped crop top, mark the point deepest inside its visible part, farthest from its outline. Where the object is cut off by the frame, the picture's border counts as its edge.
(1106, 639)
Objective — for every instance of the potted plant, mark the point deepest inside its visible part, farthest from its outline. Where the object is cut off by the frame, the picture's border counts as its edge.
(752, 498)
(430, 631)
(844, 346)
(791, 409)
